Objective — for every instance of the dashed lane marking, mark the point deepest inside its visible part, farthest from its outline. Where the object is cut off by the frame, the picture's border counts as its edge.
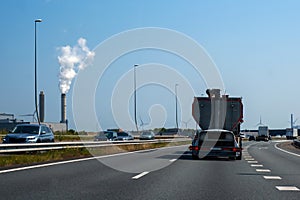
(140, 175)
(249, 159)
(263, 170)
(252, 161)
(287, 188)
(272, 177)
(173, 160)
(255, 165)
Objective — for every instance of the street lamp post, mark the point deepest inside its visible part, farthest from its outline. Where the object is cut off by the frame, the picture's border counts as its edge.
(176, 109)
(134, 79)
(35, 71)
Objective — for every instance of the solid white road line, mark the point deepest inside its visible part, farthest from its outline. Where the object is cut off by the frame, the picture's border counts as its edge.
(140, 175)
(294, 154)
(272, 177)
(287, 188)
(255, 165)
(173, 160)
(263, 170)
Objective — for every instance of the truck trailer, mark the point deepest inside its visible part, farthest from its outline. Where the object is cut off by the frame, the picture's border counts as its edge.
(219, 117)
(291, 133)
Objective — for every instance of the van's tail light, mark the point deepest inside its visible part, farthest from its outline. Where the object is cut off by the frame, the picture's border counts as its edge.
(233, 149)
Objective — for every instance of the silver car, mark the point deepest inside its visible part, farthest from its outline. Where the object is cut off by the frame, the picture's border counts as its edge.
(29, 133)
(147, 135)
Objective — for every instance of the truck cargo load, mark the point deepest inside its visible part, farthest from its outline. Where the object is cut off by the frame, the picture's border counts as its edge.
(218, 112)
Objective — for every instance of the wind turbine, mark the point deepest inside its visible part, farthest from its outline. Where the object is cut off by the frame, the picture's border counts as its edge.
(142, 124)
(30, 115)
(186, 122)
(260, 122)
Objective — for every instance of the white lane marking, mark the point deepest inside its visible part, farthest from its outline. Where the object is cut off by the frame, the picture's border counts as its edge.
(78, 160)
(263, 170)
(252, 161)
(272, 177)
(248, 159)
(254, 165)
(173, 160)
(140, 175)
(294, 154)
(262, 148)
(287, 188)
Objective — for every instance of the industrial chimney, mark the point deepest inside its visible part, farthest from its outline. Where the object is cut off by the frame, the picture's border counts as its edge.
(42, 106)
(63, 108)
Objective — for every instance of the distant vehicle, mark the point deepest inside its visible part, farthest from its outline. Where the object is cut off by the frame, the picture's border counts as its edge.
(147, 135)
(106, 136)
(111, 135)
(251, 138)
(291, 133)
(29, 133)
(263, 134)
(215, 143)
(124, 136)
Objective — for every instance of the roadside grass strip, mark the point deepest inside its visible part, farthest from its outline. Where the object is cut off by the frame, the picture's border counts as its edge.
(272, 177)
(287, 188)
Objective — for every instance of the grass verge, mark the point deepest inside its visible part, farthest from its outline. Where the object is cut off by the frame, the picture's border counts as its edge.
(31, 158)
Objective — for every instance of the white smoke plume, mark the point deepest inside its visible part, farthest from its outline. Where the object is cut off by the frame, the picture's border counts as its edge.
(71, 60)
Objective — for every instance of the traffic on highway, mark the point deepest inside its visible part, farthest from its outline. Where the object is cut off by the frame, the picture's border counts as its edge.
(165, 173)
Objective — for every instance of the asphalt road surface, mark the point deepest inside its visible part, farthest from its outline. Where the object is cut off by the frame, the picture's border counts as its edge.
(265, 172)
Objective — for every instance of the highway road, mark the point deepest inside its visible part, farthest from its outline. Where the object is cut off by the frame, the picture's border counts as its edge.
(265, 172)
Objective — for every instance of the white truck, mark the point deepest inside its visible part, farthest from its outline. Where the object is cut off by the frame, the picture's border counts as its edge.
(291, 133)
(263, 133)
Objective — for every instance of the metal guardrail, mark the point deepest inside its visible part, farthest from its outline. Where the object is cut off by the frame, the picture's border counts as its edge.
(296, 143)
(19, 148)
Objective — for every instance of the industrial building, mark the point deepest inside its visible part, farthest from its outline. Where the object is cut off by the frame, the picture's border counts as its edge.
(8, 121)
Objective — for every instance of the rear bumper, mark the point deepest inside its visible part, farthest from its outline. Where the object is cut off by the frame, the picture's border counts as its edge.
(234, 153)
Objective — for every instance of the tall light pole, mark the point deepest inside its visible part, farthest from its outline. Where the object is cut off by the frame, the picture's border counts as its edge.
(176, 109)
(35, 73)
(134, 79)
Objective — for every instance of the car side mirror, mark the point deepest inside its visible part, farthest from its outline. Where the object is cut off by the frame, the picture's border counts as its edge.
(43, 132)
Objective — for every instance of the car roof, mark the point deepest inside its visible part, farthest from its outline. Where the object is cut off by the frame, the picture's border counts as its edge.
(30, 125)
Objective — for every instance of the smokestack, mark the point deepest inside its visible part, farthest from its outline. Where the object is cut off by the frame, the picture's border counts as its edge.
(63, 108)
(42, 106)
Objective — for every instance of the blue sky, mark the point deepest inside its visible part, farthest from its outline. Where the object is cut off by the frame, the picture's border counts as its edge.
(255, 45)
